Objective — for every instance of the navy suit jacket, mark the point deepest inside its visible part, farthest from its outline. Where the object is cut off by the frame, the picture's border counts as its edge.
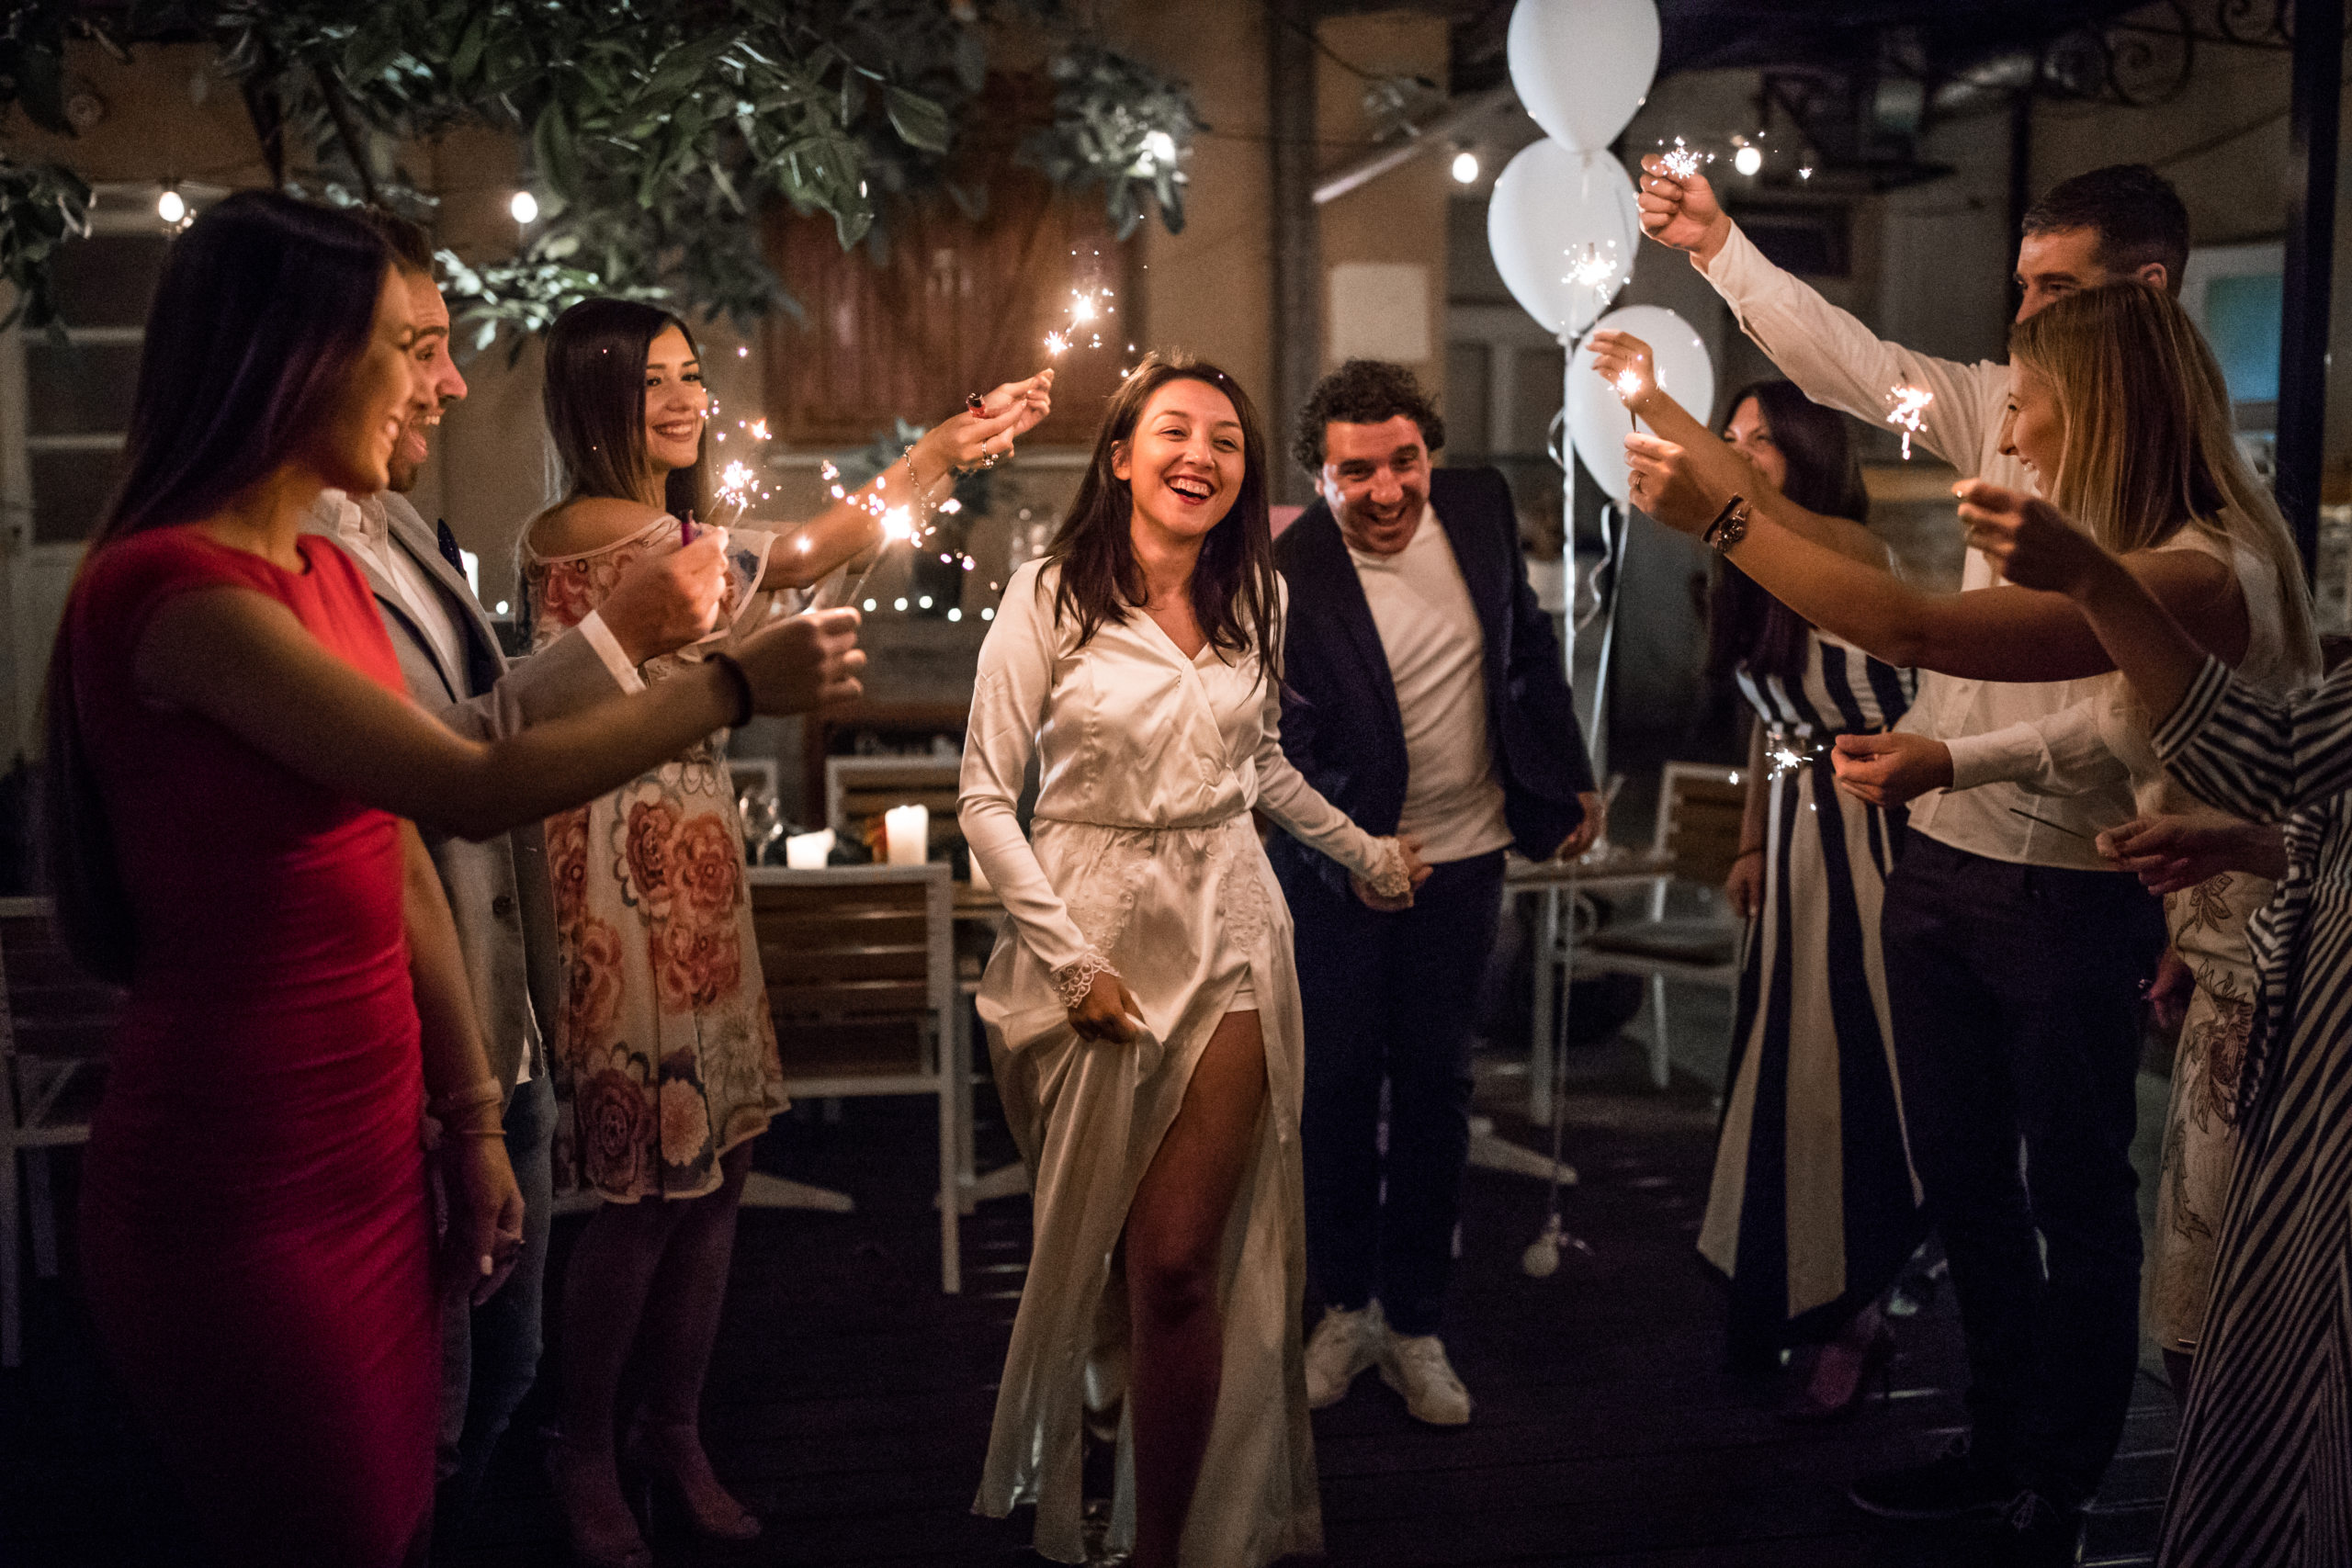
(1340, 727)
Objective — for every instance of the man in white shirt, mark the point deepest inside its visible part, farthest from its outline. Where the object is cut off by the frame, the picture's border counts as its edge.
(1422, 694)
(499, 892)
(2014, 956)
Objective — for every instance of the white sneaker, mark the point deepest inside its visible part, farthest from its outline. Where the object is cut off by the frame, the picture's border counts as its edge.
(1341, 1347)
(1417, 1367)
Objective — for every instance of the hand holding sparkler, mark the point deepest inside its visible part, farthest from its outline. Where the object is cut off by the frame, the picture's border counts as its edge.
(668, 598)
(1679, 207)
(1625, 361)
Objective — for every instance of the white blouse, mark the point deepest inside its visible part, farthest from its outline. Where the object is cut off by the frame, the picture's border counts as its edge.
(1128, 734)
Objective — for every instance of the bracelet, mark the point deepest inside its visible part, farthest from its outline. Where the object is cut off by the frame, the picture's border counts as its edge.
(483, 1092)
(1751, 849)
(1729, 527)
(735, 670)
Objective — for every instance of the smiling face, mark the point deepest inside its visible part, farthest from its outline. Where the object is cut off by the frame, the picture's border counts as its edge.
(2034, 428)
(1375, 479)
(352, 448)
(438, 382)
(1184, 466)
(1751, 435)
(677, 403)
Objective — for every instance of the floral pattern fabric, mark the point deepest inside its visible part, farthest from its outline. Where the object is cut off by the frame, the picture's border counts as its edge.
(2209, 932)
(664, 1055)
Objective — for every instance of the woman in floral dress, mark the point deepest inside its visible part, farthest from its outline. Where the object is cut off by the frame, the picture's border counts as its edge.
(665, 1053)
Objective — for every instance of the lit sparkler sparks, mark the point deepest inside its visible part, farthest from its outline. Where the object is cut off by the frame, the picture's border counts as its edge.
(1596, 269)
(1910, 413)
(1088, 307)
(1684, 160)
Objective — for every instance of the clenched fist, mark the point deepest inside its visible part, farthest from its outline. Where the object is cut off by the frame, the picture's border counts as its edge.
(810, 661)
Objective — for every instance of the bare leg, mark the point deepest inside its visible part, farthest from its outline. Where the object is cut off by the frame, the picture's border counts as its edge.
(612, 1270)
(674, 1347)
(1174, 1236)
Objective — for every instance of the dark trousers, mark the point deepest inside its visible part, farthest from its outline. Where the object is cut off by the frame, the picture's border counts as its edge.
(489, 1354)
(2017, 1004)
(1390, 998)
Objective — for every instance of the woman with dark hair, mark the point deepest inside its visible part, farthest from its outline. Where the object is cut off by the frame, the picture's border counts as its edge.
(664, 1055)
(229, 749)
(1813, 1209)
(1142, 1008)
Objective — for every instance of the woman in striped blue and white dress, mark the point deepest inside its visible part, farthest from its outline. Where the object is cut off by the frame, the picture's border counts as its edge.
(1814, 1207)
(2264, 1474)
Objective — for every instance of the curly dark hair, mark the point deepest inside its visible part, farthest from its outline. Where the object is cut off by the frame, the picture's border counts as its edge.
(1363, 391)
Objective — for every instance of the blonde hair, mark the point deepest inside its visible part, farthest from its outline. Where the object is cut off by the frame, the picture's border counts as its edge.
(2149, 446)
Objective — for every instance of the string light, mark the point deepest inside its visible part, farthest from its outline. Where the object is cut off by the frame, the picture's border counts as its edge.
(171, 207)
(1465, 168)
(525, 206)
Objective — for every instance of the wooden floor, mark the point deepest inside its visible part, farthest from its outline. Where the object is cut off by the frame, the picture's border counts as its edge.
(850, 1402)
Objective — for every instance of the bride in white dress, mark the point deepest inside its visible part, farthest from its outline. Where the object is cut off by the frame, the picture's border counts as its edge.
(1142, 1009)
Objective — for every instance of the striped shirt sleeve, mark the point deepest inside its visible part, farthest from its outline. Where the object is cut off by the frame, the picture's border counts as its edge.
(2255, 756)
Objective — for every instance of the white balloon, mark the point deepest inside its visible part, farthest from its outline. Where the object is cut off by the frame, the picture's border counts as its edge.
(1598, 421)
(1583, 67)
(1551, 210)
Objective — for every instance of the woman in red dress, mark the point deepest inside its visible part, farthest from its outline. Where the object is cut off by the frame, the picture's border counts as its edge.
(231, 756)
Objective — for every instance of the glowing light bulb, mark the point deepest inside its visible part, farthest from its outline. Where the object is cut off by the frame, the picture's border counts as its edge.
(171, 207)
(988, 615)
(954, 615)
(1747, 159)
(1465, 168)
(525, 206)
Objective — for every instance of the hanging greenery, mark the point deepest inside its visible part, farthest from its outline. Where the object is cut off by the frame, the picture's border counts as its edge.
(659, 131)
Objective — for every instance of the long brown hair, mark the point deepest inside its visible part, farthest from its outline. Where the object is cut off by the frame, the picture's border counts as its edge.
(593, 395)
(1745, 623)
(2149, 444)
(1236, 593)
(264, 306)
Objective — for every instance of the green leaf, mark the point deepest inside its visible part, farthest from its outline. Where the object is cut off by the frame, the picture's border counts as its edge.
(919, 121)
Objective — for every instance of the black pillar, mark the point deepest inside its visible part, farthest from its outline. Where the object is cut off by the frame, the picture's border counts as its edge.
(1298, 235)
(2311, 255)
(2020, 181)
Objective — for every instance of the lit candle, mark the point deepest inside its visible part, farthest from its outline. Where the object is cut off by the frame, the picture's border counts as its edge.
(809, 852)
(906, 833)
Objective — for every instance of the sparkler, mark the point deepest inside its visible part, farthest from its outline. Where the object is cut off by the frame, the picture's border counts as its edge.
(1684, 160)
(1629, 387)
(1910, 413)
(1088, 307)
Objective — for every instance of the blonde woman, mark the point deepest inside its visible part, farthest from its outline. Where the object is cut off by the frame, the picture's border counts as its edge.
(2118, 411)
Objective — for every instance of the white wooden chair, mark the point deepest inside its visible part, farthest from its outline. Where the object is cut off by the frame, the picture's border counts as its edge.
(858, 788)
(1699, 811)
(56, 1024)
(860, 965)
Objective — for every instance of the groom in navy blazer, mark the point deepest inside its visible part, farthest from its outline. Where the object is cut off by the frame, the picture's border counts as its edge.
(1423, 694)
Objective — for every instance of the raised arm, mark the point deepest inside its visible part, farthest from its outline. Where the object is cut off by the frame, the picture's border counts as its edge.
(1718, 468)
(851, 525)
(2251, 756)
(2008, 633)
(1827, 352)
(243, 662)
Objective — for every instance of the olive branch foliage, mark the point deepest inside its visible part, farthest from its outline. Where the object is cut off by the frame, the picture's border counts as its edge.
(659, 134)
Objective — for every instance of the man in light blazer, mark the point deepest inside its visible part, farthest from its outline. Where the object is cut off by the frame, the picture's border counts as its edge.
(498, 890)
(1422, 694)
